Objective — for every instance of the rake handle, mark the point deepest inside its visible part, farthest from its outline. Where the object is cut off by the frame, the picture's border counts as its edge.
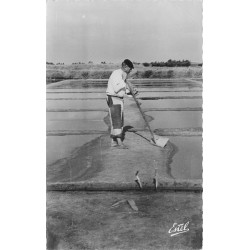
(138, 105)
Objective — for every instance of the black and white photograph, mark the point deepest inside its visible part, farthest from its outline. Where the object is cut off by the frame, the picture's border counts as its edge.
(134, 133)
(124, 124)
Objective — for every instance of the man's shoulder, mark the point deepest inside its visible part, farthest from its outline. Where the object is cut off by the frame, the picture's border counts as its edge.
(117, 72)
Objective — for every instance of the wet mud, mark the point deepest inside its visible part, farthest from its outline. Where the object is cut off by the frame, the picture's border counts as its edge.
(83, 163)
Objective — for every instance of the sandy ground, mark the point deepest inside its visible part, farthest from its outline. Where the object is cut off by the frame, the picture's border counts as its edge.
(87, 220)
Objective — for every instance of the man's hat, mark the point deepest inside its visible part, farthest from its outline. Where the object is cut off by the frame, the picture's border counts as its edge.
(129, 63)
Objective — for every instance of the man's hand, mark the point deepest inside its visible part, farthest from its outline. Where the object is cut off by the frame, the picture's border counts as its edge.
(132, 88)
(135, 91)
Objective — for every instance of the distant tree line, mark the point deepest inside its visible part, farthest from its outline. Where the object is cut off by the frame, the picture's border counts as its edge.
(169, 63)
(51, 63)
(78, 63)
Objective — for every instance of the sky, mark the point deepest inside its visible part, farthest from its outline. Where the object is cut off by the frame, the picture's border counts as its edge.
(112, 30)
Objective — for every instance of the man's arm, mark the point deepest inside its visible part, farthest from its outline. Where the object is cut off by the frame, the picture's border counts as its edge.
(118, 84)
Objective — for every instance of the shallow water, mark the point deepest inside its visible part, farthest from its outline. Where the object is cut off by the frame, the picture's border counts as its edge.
(187, 161)
(175, 119)
(166, 89)
(140, 88)
(76, 120)
(77, 104)
(163, 94)
(76, 84)
(171, 103)
(92, 95)
(80, 90)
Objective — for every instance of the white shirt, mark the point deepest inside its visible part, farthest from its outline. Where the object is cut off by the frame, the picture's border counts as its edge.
(116, 83)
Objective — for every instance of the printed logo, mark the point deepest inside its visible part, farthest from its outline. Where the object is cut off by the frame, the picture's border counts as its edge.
(178, 229)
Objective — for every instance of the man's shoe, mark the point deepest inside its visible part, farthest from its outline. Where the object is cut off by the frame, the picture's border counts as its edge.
(122, 146)
(114, 143)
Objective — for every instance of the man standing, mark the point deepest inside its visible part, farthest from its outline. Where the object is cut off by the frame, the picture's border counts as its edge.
(116, 90)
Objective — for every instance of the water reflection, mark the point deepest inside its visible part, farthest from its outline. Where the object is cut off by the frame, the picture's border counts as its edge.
(175, 119)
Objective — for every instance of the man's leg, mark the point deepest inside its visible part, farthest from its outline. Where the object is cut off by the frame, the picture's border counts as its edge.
(121, 144)
(114, 142)
(116, 115)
